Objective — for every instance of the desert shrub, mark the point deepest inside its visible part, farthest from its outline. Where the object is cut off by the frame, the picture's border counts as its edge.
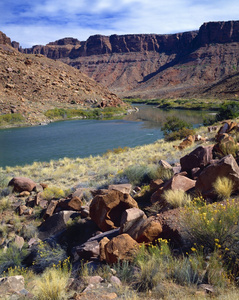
(124, 271)
(228, 148)
(178, 135)
(228, 110)
(174, 124)
(223, 187)
(159, 172)
(56, 113)
(5, 203)
(11, 118)
(139, 174)
(48, 256)
(176, 198)
(136, 174)
(12, 257)
(52, 285)
(53, 192)
(152, 262)
(209, 222)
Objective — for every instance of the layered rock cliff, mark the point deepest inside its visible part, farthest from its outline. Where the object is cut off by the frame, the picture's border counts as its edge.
(153, 65)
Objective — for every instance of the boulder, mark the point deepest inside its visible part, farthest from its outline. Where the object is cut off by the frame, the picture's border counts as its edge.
(106, 210)
(125, 188)
(225, 167)
(102, 244)
(74, 203)
(172, 229)
(21, 184)
(187, 142)
(11, 284)
(88, 250)
(122, 247)
(226, 144)
(198, 158)
(55, 224)
(149, 231)
(164, 164)
(155, 185)
(177, 182)
(50, 209)
(131, 218)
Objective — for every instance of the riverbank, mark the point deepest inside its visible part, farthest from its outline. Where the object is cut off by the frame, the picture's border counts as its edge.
(190, 104)
(99, 171)
(15, 120)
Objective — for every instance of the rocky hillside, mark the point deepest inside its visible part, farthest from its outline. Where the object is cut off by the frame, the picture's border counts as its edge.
(31, 84)
(153, 65)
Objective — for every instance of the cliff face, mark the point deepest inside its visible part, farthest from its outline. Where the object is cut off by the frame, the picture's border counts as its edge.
(153, 65)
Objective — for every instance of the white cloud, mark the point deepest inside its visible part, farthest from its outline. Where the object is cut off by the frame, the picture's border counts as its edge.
(31, 22)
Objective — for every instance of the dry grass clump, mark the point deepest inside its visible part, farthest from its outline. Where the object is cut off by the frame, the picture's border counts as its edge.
(52, 284)
(176, 198)
(223, 187)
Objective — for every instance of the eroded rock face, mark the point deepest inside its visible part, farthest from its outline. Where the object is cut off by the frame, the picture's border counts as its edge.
(106, 210)
(21, 184)
(226, 167)
(151, 65)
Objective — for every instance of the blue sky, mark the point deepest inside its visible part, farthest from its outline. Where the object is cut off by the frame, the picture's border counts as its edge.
(32, 22)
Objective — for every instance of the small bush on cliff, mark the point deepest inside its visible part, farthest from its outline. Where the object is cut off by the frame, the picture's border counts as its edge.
(175, 128)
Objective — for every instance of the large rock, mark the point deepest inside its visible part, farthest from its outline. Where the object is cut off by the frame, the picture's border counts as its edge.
(149, 231)
(226, 167)
(124, 187)
(55, 224)
(177, 182)
(142, 229)
(198, 158)
(122, 247)
(106, 210)
(131, 218)
(21, 184)
(11, 284)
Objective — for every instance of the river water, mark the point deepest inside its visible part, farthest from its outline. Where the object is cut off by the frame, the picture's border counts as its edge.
(82, 138)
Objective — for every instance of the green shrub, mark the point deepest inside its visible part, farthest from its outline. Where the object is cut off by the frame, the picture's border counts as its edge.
(12, 257)
(228, 110)
(11, 118)
(178, 135)
(174, 124)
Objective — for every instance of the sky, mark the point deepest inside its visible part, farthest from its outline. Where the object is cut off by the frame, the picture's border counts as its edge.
(39, 22)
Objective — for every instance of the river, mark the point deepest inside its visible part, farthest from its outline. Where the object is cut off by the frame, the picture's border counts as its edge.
(82, 138)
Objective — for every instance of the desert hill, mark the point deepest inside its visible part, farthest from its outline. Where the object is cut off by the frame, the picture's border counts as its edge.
(155, 65)
(31, 84)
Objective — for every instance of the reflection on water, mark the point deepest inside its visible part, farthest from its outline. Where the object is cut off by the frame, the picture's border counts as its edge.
(81, 138)
(154, 117)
